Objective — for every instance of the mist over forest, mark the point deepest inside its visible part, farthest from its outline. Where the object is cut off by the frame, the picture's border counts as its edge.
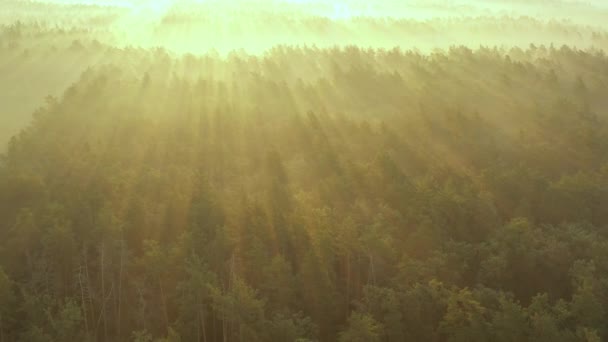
(75, 35)
(303, 170)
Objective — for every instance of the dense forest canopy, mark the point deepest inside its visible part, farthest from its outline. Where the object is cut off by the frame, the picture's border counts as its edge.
(303, 171)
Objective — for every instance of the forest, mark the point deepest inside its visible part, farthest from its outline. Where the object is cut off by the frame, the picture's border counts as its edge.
(303, 171)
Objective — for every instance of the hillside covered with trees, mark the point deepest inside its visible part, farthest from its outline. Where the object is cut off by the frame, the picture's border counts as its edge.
(339, 192)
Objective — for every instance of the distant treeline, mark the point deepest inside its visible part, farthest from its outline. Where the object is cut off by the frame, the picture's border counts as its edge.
(44, 46)
(254, 27)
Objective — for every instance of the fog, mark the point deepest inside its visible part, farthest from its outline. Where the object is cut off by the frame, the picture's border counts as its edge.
(79, 33)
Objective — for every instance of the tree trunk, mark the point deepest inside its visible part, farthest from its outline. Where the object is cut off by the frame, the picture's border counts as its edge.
(84, 303)
(1, 329)
(164, 300)
(118, 332)
(224, 329)
(348, 282)
(103, 310)
(202, 317)
(142, 302)
(103, 291)
(198, 328)
(88, 282)
(213, 318)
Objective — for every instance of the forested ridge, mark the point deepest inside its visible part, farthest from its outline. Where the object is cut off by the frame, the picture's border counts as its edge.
(310, 194)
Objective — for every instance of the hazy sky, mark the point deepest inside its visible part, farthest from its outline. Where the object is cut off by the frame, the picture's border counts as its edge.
(588, 12)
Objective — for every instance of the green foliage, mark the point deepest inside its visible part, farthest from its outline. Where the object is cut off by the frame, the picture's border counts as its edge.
(6, 290)
(361, 327)
(241, 310)
(67, 322)
(291, 328)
